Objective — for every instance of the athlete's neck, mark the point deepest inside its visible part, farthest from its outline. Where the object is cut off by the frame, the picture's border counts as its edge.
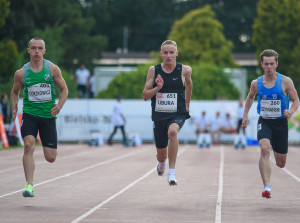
(168, 68)
(270, 77)
(36, 65)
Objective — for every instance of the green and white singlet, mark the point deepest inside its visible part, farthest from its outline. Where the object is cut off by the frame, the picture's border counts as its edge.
(39, 91)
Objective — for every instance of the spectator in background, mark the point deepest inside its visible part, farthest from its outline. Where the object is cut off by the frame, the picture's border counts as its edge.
(215, 128)
(227, 125)
(202, 124)
(4, 107)
(82, 76)
(118, 121)
(240, 112)
(92, 82)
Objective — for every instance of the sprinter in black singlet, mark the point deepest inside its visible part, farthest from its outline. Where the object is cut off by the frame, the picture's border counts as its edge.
(169, 85)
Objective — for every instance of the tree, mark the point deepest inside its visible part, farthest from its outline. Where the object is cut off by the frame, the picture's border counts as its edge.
(201, 39)
(72, 32)
(4, 10)
(8, 55)
(277, 27)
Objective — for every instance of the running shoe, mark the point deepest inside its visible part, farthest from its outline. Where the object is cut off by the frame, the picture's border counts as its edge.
(171, 179)
(161, 168)
(266, 192)
(29, 191)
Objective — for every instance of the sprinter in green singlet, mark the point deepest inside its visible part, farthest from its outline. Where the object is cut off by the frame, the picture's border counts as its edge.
(40, 78)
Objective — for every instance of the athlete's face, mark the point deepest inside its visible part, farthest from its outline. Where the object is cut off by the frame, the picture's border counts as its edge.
(168, 53)
(269, 65)
(36, 49)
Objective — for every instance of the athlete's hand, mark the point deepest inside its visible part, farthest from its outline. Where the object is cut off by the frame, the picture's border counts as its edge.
(159, 81)
(287, 113)
(245, 122)
(55, 110)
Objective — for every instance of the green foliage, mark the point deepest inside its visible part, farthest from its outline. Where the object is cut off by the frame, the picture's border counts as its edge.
(209, 82)
(4, 10)
(70, 83)
(66, 32)
(130, 85)
(8, 55)
(200, 39)
(277, 27)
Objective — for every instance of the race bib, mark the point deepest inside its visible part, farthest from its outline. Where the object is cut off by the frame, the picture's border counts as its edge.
(39, 93)
(270, 108)
(166, 102)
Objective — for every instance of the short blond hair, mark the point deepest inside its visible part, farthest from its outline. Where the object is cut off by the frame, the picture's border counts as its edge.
(169, 42)
(268, 53)
(36, 38)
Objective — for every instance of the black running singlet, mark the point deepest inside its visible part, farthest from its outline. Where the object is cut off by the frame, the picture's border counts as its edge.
(169, 102)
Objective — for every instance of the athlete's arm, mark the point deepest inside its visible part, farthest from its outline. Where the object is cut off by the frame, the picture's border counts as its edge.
(149, 92)
(291, 91)
(60, 82)
(249, 102)
(187, 75)
(14, 95)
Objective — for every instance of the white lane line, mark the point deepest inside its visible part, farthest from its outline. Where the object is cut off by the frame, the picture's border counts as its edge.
(57, 160)
(117, 194)
(220, 191)
(77, 171)
(284, 169)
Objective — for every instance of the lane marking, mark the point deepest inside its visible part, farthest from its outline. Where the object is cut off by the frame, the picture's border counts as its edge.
(118, 193)
(220, 190)
(284, 169)
(77, 171)
(59, 158)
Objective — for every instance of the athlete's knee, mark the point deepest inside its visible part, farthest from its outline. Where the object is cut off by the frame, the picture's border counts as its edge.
(51, 158)
(172, 133)
(28, 147)
(265, 150)
(280, 163)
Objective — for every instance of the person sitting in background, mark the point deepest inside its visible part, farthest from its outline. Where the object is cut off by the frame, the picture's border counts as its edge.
(227, 126)
(215, 128)
(202, 124)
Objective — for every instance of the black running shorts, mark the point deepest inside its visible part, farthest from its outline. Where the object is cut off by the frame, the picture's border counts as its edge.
(276, 130)
(161, 128)
(32, 124)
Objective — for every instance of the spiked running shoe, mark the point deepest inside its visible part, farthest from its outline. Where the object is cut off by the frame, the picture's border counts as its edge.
(171, 179)
(29, 191)
(266, 192)
(161, 168)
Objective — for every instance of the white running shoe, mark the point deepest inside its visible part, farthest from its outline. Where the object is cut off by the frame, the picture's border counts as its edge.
(171, 179)
(161, 168)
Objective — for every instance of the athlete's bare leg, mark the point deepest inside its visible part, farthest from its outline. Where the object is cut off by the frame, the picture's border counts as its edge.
(173, 144)
(280, 159)
(264, 161)
(50, 154)
(161, 154)
(28, 160)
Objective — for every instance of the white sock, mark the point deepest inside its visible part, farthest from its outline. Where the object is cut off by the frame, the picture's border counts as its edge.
(171, 171)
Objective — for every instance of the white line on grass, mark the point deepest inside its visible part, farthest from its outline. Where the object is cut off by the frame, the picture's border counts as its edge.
(220, 191)
(76, 172)
(117, 194)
